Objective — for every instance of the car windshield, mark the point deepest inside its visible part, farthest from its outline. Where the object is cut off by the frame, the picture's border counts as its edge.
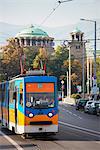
(89, 103)
(40, 100)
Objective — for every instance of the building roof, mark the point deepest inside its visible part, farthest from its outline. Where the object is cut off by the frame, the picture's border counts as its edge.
(76, 30)
(32, 32)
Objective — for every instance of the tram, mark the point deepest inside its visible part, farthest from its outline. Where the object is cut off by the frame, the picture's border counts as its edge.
(29, 104)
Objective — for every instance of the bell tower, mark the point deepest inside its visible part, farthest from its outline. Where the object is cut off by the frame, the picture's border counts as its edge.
(77, 44)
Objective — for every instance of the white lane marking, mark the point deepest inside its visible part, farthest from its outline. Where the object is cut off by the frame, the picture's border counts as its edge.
(75, 115)
(11, 141)
(80, 117)
(70, 112)
(95, 133)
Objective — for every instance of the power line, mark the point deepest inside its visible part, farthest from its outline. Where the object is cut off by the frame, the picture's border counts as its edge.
(49, 14)
(59, 3)
(71, 40)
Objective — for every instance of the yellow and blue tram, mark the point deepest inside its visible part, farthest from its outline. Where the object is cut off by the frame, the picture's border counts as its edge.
(29, 104)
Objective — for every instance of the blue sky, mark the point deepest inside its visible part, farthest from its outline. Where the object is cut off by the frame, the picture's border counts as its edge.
(25, 12)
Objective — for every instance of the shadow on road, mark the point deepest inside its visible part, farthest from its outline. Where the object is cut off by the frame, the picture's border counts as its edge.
(61, 136)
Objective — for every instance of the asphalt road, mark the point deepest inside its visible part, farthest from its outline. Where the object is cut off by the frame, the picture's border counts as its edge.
(77, 131)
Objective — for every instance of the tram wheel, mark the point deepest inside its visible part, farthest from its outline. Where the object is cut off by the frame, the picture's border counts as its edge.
(26, 136)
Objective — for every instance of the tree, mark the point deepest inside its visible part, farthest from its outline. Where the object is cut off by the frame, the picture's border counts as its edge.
(11, 58)
(55, 63)
(98, 70)
(40, 59)
(76, 71)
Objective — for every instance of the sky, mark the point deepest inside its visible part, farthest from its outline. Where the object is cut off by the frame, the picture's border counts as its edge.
(25, 12)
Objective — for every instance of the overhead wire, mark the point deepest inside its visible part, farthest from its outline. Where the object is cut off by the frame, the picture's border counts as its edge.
(54, 9)
(50, 14)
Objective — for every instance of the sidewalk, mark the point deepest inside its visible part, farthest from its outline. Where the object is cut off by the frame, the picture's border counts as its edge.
(70, 101)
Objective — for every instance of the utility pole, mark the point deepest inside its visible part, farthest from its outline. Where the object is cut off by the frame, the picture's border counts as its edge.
(62, 82)
(88, 76)
(95, 80)
(95, 55)
(67, 84)
(69, 71)
(83, 70)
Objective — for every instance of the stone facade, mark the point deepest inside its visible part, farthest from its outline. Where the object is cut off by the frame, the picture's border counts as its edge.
(36, 38)
(77, 45)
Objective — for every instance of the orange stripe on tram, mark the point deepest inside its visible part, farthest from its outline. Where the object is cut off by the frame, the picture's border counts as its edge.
(45, 87)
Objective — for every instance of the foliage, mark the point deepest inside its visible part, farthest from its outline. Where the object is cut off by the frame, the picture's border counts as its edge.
(30, 54)
(98, 70)
(11, 58)
(76, 71)
(40, 59)
(56, 62)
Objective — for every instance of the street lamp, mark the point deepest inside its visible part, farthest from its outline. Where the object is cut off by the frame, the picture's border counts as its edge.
(69, 83)
(62, 82)
(94, 81)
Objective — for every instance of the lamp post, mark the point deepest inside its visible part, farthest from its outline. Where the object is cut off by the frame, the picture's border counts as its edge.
(69, 71)
(62, 82)
(94, 81)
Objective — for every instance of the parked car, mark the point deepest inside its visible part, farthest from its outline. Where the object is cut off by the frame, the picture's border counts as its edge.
(86, 108)
(81, 103)
(93, 107)
(98, 110)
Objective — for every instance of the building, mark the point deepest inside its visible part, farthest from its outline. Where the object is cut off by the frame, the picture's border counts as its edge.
(77, 44)
(35, 37)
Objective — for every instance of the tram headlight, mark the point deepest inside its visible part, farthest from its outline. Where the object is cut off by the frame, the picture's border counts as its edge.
(50, 114)
(31, 115)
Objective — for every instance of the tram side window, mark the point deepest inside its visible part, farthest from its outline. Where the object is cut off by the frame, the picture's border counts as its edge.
(21, 99)
(12, 94)
(0, 93)
(3, 93)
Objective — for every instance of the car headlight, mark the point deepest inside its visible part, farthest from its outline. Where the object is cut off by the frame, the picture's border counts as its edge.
(50, 114)
(31, 115)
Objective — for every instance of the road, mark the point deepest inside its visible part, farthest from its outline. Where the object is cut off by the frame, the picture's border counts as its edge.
(77, 131)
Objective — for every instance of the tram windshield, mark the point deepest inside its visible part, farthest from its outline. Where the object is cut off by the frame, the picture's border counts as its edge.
(40, 95)
(40, 100)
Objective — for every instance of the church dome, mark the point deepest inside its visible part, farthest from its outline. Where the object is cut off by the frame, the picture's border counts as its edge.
(32, 32)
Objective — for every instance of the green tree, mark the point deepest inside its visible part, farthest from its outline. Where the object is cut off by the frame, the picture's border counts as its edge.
(76, 71)
(98, 70)
(11, 58)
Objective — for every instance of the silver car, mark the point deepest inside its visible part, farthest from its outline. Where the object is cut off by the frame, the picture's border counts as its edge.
(86, 108)
(94, 105)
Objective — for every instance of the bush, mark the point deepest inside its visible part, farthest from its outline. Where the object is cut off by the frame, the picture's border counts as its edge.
(76, 96)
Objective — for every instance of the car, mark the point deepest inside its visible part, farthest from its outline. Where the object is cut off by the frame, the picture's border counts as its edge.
(80, 104)
(86, 108)
(98, 110)
(93, 107)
